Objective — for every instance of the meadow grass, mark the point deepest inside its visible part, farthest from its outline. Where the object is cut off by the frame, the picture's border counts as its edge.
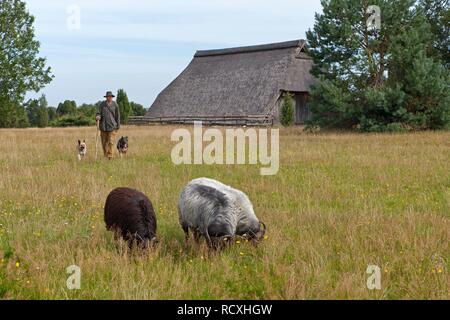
(339, 203)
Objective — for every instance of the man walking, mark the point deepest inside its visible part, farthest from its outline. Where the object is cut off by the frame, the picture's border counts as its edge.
(108, 117)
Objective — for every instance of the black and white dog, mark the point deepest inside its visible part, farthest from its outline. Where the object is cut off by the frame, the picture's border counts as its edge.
(122, 146)
(81, 149)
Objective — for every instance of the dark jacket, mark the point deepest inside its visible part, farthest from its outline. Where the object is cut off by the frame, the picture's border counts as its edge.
(109, 116)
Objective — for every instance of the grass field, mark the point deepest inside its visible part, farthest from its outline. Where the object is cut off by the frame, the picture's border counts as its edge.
(339, 203)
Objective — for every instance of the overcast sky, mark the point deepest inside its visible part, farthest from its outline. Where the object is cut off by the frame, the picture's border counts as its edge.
(142, 46)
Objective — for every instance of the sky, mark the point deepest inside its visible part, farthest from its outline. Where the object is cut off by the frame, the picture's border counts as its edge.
(97, 45)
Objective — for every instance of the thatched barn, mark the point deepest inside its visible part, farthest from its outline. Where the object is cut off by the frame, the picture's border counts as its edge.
(238, 86)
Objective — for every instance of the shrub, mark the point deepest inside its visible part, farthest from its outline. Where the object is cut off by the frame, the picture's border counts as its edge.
(287, 110)
(73, 121)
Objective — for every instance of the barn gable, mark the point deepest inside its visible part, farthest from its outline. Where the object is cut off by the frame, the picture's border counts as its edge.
(244, 81)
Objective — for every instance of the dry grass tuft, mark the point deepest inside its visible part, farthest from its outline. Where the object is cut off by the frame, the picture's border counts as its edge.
(339, 203)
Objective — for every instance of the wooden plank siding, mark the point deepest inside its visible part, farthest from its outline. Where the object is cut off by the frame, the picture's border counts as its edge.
(302, 112)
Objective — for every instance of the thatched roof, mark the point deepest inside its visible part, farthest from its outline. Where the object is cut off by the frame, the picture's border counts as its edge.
(236, 81)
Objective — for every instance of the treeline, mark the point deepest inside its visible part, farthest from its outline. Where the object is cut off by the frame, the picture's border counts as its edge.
(37, 113)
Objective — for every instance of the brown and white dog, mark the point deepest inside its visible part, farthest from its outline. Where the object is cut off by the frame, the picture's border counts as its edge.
(81, 149)
(122, 146)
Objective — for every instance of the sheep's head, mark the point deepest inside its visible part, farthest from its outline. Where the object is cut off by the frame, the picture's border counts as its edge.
(256, 234)
(261, 232)
(145, 242)
(150, 243)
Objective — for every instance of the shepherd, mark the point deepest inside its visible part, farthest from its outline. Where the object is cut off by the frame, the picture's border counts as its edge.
(108, 121)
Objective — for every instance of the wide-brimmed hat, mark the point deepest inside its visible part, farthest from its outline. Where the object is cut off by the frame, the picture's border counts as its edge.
(109, 94)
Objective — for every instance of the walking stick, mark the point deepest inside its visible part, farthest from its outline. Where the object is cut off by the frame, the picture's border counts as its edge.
(96, 139)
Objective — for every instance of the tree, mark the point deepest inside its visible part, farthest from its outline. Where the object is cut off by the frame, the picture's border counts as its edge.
(37, 111)
(51, 113)
(376, 79)
(20, 118)
(287, 110)
(88, 110)
(124, 106)
(438, 16)
(32, 107)
(21, 69)
(68, 107)
(13, 115)
(137, 109)
(42, 117)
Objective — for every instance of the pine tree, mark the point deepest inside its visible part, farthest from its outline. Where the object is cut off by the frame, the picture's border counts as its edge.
(438, 16)
(376, 79)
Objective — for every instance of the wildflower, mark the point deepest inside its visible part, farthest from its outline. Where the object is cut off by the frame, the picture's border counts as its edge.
(238, 242)
(440, 270)
(17, 264)
(266, 237)
(241, 253)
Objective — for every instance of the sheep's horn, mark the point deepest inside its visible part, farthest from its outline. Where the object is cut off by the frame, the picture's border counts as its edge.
(263, 231)
(264, 225)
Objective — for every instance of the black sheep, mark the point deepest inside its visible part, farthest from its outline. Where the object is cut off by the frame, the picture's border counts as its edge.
(129, 214)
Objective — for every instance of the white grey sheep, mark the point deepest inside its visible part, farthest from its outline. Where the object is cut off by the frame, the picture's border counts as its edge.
(211, 209)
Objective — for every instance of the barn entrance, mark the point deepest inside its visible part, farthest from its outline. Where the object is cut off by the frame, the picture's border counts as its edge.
(302, 112)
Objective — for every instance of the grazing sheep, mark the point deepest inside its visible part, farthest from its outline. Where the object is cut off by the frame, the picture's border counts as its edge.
(211, 209)
(129, 213)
